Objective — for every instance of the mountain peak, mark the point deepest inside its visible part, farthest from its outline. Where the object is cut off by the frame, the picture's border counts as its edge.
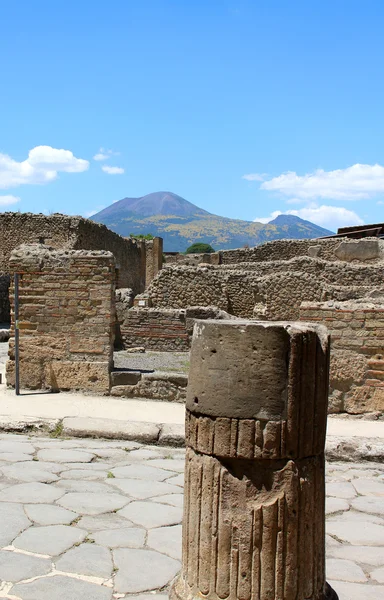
(157, 203)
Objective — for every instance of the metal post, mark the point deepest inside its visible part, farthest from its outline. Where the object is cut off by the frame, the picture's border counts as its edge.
(17, 373)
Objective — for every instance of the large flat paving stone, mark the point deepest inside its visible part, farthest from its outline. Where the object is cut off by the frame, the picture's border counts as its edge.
(44, 465)
(370, 555)
(369, 504)
(84, 487)
(177, 480)
(166, 540)
(13, 521)
(49, 514)
(13, 457)
(31, 493)
(93, 504)
(344, 570)
(131, 537)
(142, 570)
(86, 474)
(104, 522)
(28, 475)
(141, 471)
(360, 534)
(15, 446)
(357, 591)
(172, 499)
(143, 489)
(50, 540)
(334, 505)
(353, 516)
(378, 575)
(369, 487)
(65, 456)
(16, 567)
(170, 464)
(152, 514)
(60, 587)
(341, 489)
(87, 559)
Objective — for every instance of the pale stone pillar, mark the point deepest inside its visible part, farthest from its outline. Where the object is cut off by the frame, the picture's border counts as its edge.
(253, 525)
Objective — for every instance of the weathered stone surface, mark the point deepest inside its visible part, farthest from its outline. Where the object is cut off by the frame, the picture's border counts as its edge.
(50, 540)
(369, 504)
(120, 538)
(102, 522)
(28, 475)
(152, 514)
(342, 489)
(15, 567)
(60, 587)
(357, 591)
(48, 514)
(30, 493)
(172, 435)
(172, 499)
(370, 555)
(253, 522)
(378, 575)
(166, 540)
(136, 488)
(93, 504)
(367, 487)
(333, 505)
(361, 250)
(86, 559)
(65, 456)
(141, 472)
(361, 534)
(345, 570)
(125, 377)
(142, 570)
(17, 447)
(111, 428)
(13, 521)
(83, 487)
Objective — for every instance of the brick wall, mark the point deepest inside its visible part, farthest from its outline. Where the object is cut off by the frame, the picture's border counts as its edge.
(357, 353)
(66, 318)
(163, 330)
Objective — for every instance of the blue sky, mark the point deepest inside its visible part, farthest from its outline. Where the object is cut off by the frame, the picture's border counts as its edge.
(243, 107)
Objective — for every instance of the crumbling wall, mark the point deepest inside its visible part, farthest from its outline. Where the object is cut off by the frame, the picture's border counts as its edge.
(357, 353)
(327, 249)
(162, 329)
(65, 232)
(66, 318)
(4, 298)
(179, 287)
(154, 258)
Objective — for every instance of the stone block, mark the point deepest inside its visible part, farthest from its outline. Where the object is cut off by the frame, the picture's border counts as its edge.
(125, 377)
(78, 375)
(360, 250)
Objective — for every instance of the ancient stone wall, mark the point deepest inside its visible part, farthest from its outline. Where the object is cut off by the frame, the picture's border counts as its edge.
(162, 329)
(155, 329)
(61, 231)
(154, 259)
(66, 318)
(357, 355)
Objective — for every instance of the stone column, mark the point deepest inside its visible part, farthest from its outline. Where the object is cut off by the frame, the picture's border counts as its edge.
(253, 525)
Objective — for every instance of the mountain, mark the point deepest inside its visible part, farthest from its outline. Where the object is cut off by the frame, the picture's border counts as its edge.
(181, 223)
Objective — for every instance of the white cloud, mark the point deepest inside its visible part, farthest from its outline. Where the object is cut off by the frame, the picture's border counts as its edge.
(104, 154)
(42, 166)
(112, 170)
(255, 176)
(353, 183)
(8, 200)
(90, 213)
(329, 217)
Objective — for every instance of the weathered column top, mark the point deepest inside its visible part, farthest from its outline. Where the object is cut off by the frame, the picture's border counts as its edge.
(271, 374)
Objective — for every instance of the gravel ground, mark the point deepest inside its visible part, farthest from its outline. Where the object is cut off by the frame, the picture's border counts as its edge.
(152, 361)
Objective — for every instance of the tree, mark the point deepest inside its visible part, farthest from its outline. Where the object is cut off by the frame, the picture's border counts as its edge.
(200, 248)
(141, 236)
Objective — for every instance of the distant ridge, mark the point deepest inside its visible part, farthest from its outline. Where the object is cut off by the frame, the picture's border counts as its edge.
(181, 223)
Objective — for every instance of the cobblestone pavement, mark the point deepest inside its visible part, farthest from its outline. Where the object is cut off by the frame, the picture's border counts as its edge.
(96, 520)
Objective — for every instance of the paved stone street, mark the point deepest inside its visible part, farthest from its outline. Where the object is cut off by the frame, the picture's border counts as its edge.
(92, 519)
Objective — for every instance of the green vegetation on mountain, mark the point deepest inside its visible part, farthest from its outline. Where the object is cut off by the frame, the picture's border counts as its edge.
(180, 223)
